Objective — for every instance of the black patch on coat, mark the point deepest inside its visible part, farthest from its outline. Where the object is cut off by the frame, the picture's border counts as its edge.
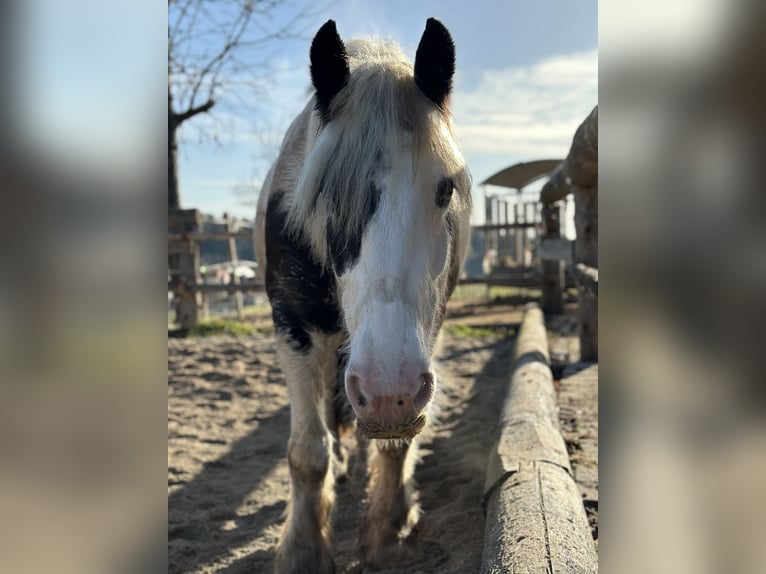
(302, 293)
(435, 62)
(444, 192)
(344, 243)
(329, 67)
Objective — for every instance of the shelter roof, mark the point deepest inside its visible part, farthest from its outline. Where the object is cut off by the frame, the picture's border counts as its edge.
(522, 174)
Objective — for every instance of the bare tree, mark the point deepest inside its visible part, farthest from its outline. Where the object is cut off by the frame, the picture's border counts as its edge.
(215, 48)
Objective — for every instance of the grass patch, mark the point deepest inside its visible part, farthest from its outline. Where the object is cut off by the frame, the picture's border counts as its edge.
(225, 326)
(484, 292)
(480, 331)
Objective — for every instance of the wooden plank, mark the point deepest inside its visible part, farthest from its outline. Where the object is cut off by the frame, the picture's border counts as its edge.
(518, 237)
(555, 249)
(210, 236)
(535, 517)
(184, 220)
(184, 257)
(227, 288)
(526, 282)
(498, 226)
(586, 252)
(181, 248)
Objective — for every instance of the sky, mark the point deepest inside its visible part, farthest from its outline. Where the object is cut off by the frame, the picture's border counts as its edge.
(527, 75)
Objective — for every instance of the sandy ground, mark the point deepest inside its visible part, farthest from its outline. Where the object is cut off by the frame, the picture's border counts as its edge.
(228, 423)
(577, 387)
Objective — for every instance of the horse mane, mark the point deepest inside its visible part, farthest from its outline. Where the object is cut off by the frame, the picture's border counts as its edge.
(380, 105)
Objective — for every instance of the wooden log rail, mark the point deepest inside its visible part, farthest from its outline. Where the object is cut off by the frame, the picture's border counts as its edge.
(535, 519)
(184, 237)
(221, 288)
(210, 236)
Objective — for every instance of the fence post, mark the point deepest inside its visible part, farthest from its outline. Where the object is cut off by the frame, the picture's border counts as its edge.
(586, 251)
(518, 233)
(234, 258)
(553, 271)
(184, 262)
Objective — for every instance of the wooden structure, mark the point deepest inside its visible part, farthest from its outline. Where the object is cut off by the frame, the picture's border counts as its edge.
(578, 174)
(535, 519)
(184, 280)
(512, 224)
(184, 264)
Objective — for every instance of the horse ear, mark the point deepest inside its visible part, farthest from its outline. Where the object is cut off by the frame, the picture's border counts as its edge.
(329, 67)
(435, 62)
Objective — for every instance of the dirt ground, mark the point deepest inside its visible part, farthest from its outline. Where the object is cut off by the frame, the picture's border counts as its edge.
(228, 423)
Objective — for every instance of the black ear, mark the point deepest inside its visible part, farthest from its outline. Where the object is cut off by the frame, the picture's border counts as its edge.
(329, 67)
(435, 62)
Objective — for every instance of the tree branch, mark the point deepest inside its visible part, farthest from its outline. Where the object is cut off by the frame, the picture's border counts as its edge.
(178, 119)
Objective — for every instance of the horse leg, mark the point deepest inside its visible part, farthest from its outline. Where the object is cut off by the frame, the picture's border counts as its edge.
(305, 542)
(339, 415)
(393, 508)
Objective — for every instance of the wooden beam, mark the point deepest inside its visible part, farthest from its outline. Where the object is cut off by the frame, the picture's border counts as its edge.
(586, 252)
(496, 226)
(210, 236)
(227, 288)
(535, 519)
(555, 249)
(183, 259)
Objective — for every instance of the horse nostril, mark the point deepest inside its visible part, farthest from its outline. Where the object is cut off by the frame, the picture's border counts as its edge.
(355, 395)
(426, 391)
(400, 402)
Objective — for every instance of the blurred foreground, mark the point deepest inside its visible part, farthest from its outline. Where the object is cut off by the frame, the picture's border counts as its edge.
(683, 265)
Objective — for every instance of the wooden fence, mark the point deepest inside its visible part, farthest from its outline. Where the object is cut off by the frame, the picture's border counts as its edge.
(184, 277)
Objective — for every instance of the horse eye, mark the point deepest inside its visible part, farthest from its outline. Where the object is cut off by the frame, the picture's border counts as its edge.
(444, 192)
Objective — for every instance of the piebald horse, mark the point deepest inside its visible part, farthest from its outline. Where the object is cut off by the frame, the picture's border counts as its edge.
(362, 228)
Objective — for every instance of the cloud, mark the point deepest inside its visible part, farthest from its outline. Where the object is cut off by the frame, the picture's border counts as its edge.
(527, 112)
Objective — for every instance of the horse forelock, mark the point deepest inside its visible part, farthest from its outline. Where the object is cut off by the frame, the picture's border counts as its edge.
(376, 114)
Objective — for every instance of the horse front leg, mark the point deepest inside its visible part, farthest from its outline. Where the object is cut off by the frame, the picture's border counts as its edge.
(393, 508)
(339, 415)
(305, 542)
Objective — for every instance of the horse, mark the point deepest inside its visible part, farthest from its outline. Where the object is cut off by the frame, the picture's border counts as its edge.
(362, 227)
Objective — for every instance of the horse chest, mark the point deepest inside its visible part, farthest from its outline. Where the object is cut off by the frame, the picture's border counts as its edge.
(303, 294)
